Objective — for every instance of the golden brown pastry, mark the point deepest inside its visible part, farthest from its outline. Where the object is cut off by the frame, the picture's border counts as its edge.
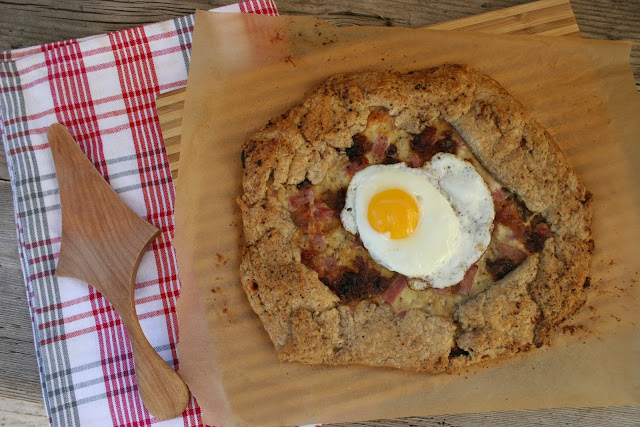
(327, 295)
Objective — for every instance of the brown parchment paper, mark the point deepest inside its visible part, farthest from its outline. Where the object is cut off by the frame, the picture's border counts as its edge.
(247, 69)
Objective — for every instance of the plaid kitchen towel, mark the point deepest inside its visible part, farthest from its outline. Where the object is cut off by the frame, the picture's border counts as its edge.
(103, 88)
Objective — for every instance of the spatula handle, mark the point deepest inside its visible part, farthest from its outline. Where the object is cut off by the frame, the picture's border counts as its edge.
(103, 241)
(162, 390)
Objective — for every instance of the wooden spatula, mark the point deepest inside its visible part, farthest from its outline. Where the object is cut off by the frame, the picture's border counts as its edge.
(103, 241)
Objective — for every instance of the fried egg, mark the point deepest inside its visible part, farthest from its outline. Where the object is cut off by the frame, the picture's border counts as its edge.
(430, 223)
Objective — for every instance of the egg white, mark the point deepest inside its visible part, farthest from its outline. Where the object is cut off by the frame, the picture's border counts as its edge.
(456, 218)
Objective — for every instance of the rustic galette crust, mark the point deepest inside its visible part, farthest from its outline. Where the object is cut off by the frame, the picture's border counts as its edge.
(309, 323)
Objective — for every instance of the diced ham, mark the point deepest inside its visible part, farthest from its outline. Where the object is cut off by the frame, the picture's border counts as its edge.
(322, 265)
(543, 231)
(322, 212)
(508, 216)
(312, 215)
(512, 253)
(415, 161)
(328, 264)
(392, 292)
(380, 146)
(303, 198)
(534, 241)
(498, 197)
(464, 287)
(318, 240)
(357, 165)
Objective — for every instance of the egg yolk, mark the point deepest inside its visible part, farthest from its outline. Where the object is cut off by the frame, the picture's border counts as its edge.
(393, 211)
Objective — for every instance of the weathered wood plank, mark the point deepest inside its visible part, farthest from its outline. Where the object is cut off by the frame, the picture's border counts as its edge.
(38, 21)
(14, 412)
(18, 369)
(4, 171)
(620, 416)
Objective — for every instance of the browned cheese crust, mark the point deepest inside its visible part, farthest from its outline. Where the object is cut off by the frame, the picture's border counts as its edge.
(307, 322)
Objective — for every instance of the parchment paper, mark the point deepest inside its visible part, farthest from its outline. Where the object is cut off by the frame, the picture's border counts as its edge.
(247, 69)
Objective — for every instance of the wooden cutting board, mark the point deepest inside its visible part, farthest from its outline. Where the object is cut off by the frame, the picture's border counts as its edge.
(544, 17)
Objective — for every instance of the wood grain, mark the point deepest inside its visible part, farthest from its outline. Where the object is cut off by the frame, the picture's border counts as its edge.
(18, 368)
(103, 241)
(15, 412)
(170, 107)
(545, 17)
(26, 23)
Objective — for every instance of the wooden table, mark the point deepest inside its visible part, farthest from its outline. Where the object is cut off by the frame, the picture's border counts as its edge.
(25, 23)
